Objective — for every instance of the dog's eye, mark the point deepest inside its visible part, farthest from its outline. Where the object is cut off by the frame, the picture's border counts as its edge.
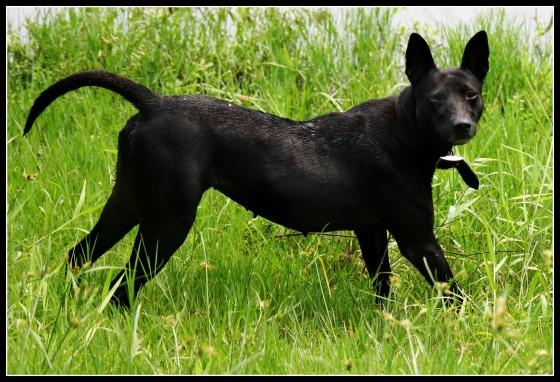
(472, 95)
(437, 98)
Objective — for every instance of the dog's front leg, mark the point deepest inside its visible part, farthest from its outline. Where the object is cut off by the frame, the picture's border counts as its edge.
(427, 256)
(373, 244)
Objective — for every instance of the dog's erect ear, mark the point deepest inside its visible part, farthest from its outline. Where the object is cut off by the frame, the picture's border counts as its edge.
(475, 57)
(418, 58)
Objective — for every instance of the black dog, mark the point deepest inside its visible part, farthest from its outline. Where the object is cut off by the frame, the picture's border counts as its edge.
(368, 169)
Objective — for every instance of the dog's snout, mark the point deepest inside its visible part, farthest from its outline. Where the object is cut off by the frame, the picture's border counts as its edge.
(463, 131)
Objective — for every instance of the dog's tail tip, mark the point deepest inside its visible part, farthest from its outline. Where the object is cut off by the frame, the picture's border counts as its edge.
(33, 114)
(27, 127)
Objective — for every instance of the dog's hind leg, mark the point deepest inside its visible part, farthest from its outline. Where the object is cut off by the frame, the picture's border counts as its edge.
(163, 229)
(153, 247)
(373, 244)
(117, 218)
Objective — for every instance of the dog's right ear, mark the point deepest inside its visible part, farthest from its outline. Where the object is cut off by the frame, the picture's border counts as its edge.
(419, 59)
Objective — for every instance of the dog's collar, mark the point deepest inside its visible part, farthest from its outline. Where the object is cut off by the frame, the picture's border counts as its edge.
(451, 161)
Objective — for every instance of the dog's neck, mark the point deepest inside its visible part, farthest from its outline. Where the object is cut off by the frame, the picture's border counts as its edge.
(411, 134)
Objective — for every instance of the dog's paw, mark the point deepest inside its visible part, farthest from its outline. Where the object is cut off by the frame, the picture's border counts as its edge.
(120, 299)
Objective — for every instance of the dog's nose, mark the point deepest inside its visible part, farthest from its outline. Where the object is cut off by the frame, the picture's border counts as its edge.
(462, 127)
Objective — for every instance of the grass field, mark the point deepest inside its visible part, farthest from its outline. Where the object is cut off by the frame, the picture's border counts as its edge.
(243, 295)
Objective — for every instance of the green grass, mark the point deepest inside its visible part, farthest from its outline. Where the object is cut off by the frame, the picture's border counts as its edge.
(242, 295)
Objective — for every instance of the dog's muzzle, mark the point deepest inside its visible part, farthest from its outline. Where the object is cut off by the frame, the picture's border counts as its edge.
(463, 132)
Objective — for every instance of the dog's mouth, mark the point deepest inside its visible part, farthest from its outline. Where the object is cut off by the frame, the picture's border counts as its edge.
(461, 140)
(459, 136)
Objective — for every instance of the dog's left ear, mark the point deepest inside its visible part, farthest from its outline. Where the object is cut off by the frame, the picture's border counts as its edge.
(418, 58)
(475, 57)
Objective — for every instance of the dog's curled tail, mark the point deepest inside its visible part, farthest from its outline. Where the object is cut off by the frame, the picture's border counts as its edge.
(140, 96)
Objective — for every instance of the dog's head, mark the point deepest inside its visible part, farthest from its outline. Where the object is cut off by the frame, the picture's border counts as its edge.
(448, 102)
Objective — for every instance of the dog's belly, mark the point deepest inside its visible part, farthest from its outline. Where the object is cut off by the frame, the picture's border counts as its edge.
(299, 210)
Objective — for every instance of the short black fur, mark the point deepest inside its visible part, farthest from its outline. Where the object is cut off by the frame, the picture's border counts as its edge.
(368, 170)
